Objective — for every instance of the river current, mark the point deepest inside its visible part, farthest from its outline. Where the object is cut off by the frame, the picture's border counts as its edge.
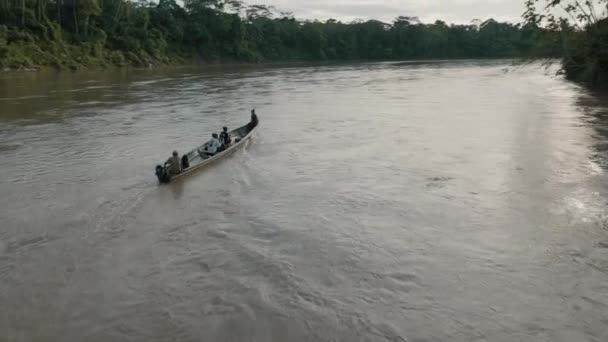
(422, 201)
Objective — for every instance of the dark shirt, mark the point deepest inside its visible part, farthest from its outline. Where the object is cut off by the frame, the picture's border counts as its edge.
(225, 138)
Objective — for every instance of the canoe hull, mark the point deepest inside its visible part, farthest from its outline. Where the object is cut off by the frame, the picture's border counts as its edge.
(198, 161)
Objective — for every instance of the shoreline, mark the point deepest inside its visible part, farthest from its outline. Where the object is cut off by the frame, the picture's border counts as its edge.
(236, 64)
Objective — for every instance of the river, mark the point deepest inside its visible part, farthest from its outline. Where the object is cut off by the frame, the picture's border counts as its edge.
(423, 201)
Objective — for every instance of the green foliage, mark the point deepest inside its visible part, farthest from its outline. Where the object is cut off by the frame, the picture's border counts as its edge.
(581, 36)
(117, 58)
(3, 36)
(78, 33)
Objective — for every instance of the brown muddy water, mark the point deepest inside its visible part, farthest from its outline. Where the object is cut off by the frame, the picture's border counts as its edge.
(439, 201)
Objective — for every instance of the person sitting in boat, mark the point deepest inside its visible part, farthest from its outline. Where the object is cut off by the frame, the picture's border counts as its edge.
(225, 138)
(212, 145)
(185, 162)
(173, 164)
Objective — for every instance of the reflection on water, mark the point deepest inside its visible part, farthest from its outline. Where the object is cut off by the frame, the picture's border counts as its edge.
(419, 201)
(595, 108)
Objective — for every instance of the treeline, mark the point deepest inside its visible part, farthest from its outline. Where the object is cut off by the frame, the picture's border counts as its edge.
(581, 33)
(76, 33)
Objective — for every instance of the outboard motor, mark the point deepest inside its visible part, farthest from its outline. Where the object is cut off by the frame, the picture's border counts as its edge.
(162, 174)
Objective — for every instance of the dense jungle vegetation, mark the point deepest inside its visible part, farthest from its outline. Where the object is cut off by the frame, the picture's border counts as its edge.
(580, 28)
(81, 33)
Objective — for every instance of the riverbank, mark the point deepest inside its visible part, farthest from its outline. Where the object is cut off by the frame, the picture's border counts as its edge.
(579, 38)
(585, 59)
(196, 64)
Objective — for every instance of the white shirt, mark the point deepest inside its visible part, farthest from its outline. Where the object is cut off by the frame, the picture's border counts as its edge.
(213, 145)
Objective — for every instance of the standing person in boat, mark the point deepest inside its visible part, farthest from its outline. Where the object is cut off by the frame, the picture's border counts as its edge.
(225, 138)
(174, 164)
(212, 145)
(254, 118)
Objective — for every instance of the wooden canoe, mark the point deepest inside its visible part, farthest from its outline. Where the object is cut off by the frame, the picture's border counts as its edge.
(198, 160)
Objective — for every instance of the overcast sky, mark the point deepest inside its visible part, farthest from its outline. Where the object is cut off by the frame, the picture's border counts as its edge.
(451, 11)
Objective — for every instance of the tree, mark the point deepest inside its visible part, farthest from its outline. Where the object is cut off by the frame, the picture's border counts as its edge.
(581, 35)
(83, 32)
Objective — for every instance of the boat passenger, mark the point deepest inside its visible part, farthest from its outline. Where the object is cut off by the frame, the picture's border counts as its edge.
(174, 164)
(213, 145)
(225, 137)
(254, 118)
(185, 162)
